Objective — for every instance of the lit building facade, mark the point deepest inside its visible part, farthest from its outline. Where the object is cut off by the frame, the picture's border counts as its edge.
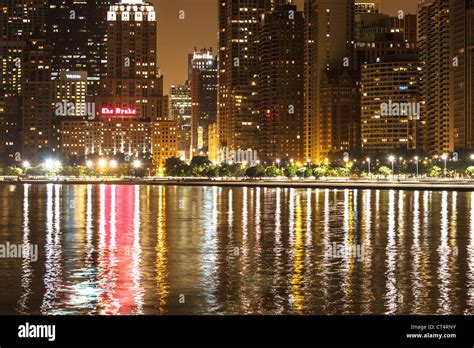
(165, 143)
(180, 106)
(238, 72)
(389, 105)
(77, 32)
(204, 99)
(462, 72)
(280, 84)
(38, 135)
(328, 51)
(19, 19)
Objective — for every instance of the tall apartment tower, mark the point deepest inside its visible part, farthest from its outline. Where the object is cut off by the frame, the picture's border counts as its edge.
(180, 106)
(433, 43)
(204, 98)
(19, 20)
(389, 104)
(78, 34)
(280, 84)
(462, 77)
(328, 64)
(37, 133)
(238, 72)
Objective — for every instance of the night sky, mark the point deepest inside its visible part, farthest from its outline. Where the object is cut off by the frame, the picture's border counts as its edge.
(178, 37)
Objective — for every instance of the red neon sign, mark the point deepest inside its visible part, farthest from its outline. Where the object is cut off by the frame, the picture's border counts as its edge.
(118, 112)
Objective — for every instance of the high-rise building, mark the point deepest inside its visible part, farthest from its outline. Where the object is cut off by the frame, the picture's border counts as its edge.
(213, 143)
(133, 78)
(379, 35)
(328, 58)
(280, 84)
(389, 104)
(131, 101)
(70, 103)
(38, 129)
(180, 105)
(204, 99)
(19, 20)
(78, 33)
(436, 63)
(238, 72)
(165, 142)
(461, 49)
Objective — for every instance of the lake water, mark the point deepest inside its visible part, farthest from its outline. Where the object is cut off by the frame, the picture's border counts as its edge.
(116, 250)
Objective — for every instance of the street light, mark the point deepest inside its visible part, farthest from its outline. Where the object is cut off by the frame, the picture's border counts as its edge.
(417, 159)
(51, 165)
(89, 164)
(445, 158)
(308, 161)
(392, 160)
(102, 163)
(368, 162)
(278, 163)
(113, 164)
(137, 164)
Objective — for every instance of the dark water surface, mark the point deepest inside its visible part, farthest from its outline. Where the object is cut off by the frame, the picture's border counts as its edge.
(107, 249)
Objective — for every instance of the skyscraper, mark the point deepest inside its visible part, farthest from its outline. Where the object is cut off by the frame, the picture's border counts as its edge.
(238, 72)
(462, 72)
(280, 84)
(130, 104)
(389, 104)
(204, 98)
(78, 33)
(37, 133)
(19, 20)
(436, 63)
(328, 57)
(180, 105)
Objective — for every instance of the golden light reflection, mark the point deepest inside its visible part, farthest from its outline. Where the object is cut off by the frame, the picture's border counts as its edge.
(297, 281)
(366, 238)
(26, 268)
(161, 249)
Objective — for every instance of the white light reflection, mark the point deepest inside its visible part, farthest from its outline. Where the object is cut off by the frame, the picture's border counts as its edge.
(470, 262)
(26, 268)
(416, 252)
(53, 252)
(443, 253)
(391, 296)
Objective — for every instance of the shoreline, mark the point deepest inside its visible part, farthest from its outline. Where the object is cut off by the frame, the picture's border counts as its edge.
(460, 185)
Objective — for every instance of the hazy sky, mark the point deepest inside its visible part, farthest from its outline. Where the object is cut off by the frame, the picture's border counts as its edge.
(178, 37)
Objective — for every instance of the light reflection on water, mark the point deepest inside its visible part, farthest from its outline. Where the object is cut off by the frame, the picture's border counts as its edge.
(116, 250)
